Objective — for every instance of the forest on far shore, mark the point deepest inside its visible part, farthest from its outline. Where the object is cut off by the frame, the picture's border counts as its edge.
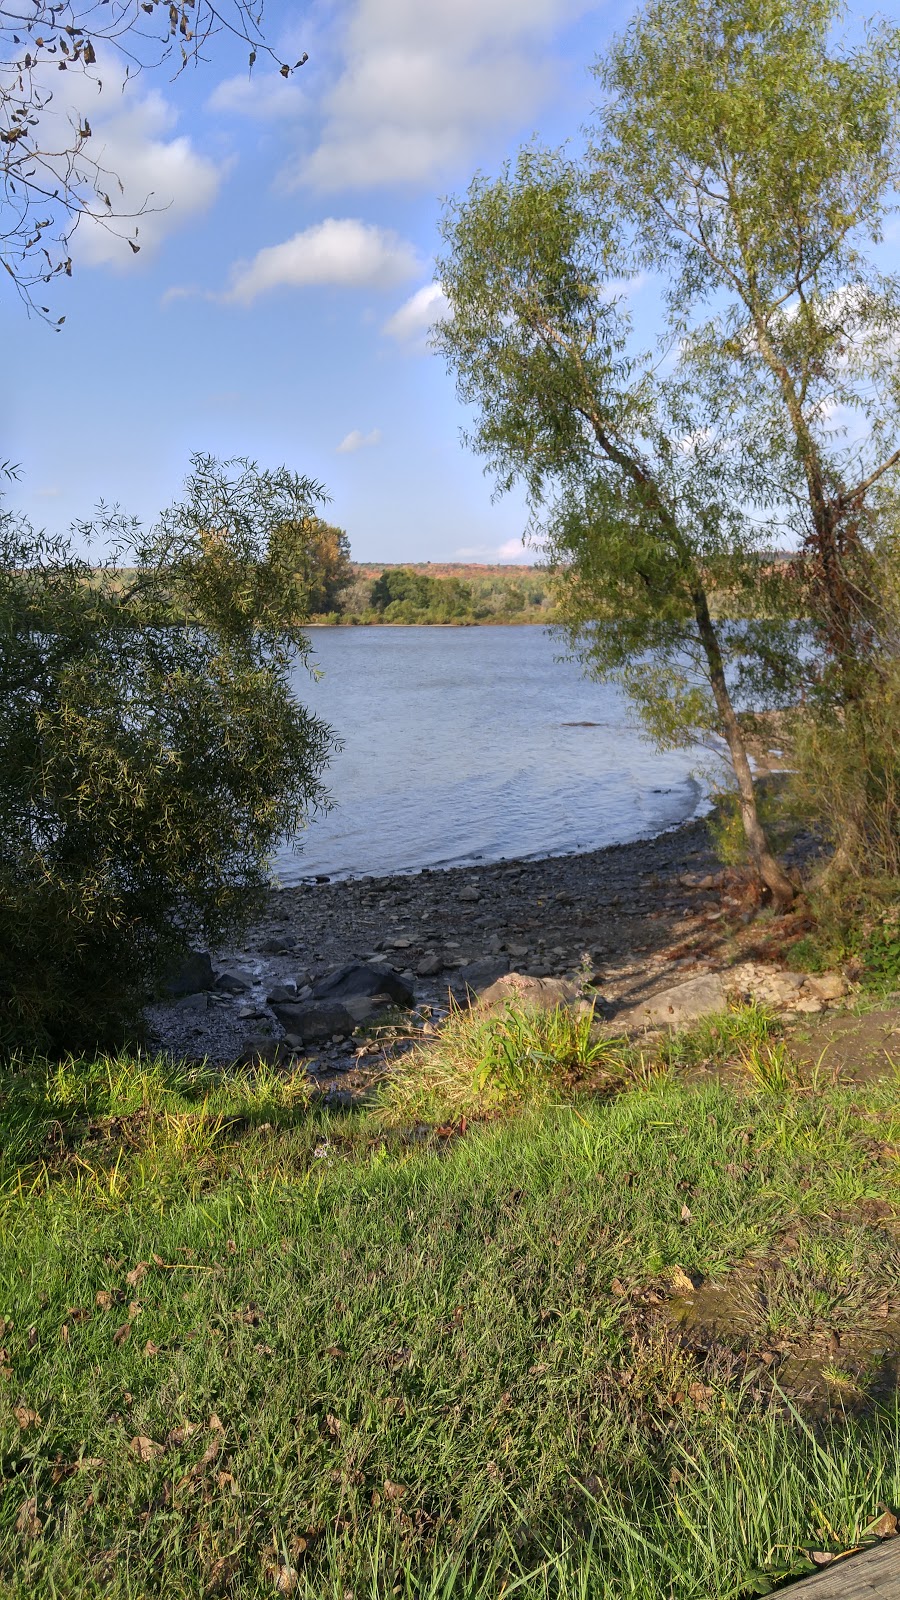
(436, 592)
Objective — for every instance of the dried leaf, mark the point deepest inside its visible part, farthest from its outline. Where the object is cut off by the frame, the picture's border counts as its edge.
(64, 1333)
(885, 1527)
(681, 1283)
(146, 1449)
(618, 1288)
(394, 1491)
(686, 1213)
(285, 1577)
(122, 1333)
(104, 1298)
(28, 1523)
(134, 1277)
(151, 1349)
(178, 1436)
(26, 1418)
(134, 1310)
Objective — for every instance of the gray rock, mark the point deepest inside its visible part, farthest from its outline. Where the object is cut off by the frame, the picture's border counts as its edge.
(476, 976)
(524, 989)
(282, 992)
(194, 974)
(676, 1007)
(430, 966)
(278, 945)
(312, 1021)
(234, 981)
(191, 1004)
(363, 979)
(469, 894)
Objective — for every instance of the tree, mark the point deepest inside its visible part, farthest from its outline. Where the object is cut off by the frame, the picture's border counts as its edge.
(49, 173)
(152, 751)
(625, 469)
(758, 157)
(323, 553)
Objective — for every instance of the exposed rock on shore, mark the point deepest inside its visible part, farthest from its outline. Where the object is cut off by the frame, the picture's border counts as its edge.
(631, 920)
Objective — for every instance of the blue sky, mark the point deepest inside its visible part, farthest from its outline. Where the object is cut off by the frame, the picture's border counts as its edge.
(279, 305)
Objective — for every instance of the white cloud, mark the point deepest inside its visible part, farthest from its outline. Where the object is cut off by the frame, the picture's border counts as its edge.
(156, 180)
(514, 551)
(267, 97)
(358, 441)
(411, 321)
(340, 251)
(421, 83)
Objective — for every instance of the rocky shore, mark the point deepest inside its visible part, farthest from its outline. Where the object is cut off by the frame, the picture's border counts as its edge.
(629, 920)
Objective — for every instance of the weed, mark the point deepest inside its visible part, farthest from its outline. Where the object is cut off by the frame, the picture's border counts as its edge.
(770, 1065)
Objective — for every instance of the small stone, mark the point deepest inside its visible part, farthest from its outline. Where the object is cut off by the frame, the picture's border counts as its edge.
(195, 973)
(430, 966)
(469, 894)
(278, 945)
(234, 981)
(282, 992)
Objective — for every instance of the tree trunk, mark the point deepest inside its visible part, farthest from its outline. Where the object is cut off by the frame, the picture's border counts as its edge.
(767, 868)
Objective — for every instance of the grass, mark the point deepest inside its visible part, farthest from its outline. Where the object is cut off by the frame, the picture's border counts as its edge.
(250, 1348)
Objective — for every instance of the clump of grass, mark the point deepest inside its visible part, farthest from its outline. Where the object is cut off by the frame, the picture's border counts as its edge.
(480, 1064)
(716, 1039)
(770, 1065)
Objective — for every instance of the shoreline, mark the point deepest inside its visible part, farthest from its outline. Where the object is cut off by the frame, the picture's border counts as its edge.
(618, 910)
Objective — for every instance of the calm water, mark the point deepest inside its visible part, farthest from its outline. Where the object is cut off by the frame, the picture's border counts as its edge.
(459, 747)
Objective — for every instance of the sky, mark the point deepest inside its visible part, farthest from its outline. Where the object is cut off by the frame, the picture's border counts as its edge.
(280, 303)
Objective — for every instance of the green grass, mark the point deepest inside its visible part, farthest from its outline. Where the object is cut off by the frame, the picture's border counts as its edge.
(253, 1346)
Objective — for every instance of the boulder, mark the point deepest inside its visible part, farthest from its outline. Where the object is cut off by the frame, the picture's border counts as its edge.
(679, 1006)
(278, 945)
(430, 966)
(520, 988)
(827, 985)
(194, 974)
(363, 980)
(283, 993)
(310, 1021)
(476, 976)
(234, 981)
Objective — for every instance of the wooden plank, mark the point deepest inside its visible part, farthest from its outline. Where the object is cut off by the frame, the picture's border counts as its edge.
(872, 1572)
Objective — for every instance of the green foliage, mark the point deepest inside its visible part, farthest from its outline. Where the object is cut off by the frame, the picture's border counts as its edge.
(776, 803)
(151, 750)
(414, 595)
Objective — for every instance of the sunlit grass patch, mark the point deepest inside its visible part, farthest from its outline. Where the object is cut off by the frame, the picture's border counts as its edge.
(481, 1063)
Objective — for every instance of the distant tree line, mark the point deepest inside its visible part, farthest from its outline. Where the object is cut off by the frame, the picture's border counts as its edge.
(409, 595)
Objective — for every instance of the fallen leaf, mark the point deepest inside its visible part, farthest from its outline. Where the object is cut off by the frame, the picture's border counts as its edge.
(185, 1431)
(700, 1393)
(28, 1523)
(64, 1333)
(251, 1315)
(286, 1577)
(78, 1314)
(32, 1337)
(134, 1277)
(146, 1449)
(221, 1571)
(104, 1299)
(122, 1333)
(134, 1310)
(618, 1288)
(394, 1491)
(26, 1418)
(333, 1424)
(686, 1213)
(335, 1352)
(151, 1349)
(681, 1283)
(886, 1526)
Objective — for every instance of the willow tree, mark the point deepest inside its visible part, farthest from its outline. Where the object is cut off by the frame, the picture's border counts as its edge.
(757, 156)
(152, 749)
(745, 158)
(628, 475)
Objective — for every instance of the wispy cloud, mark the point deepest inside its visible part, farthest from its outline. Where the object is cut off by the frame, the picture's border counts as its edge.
(411, 321)
(341, 251)
(513, 551)
(356, 440)
(421, 83)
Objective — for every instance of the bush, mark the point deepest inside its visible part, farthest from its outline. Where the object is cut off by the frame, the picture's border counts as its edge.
(151, 750)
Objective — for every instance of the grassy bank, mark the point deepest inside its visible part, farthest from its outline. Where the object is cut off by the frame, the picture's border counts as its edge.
(252, 1349)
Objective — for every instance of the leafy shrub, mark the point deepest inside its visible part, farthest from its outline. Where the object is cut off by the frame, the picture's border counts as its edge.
(151, 750)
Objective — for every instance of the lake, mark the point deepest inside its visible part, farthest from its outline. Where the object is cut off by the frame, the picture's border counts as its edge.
(473, 744)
